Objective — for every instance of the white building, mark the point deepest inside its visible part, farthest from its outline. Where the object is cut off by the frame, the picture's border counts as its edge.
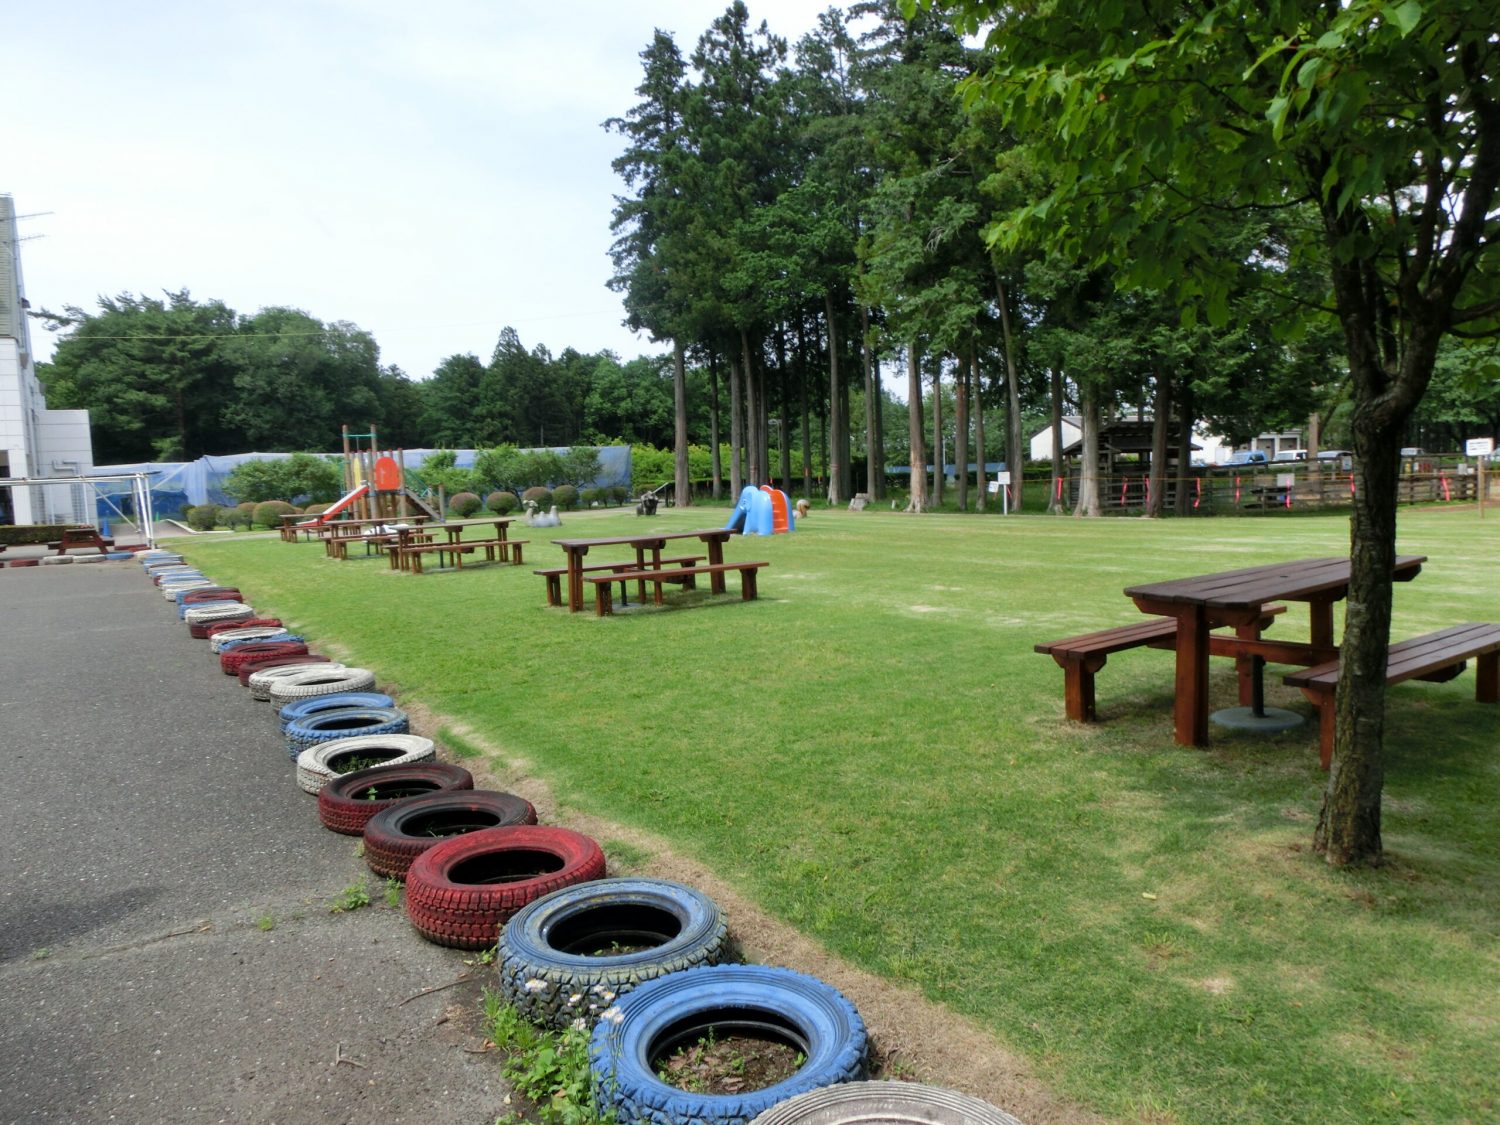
(34, 441)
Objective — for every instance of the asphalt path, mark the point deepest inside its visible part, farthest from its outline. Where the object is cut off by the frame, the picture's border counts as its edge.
(167, 948)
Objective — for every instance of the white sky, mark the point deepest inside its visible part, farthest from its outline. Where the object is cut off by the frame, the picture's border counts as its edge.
(430, 171)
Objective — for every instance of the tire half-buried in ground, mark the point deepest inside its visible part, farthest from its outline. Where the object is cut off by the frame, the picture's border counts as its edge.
(571, 953)
(753, 1002)
(343, 722)
(395, 837)
(885, 1103)
(460, 892)
(348, 801)
(321, 764)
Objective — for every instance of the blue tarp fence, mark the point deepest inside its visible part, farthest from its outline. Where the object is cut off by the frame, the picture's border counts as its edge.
(178, 484)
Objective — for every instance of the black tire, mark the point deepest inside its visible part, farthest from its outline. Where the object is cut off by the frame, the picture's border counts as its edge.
(347, 803)
(896, 1103)
(343, 722)
(394, 838)
(551, 961)
(460, 892)
(302, 708)
(660, 1016)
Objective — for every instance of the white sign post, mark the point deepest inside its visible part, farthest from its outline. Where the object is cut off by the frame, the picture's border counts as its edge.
(1480, 448)
(1002, 485)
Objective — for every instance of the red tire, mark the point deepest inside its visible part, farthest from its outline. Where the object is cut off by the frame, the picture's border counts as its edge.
(250, 667)
(347, 802)
(460, 892)
(396, 836)
(231, 660)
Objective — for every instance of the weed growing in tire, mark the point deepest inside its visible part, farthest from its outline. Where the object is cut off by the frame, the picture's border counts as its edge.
(265, 923)
(550, 1069)
(352, 897)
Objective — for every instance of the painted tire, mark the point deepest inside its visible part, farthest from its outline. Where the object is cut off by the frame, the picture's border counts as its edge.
(302, 708)
(680, 1008)
(228, 638)
(261, 681)
(899, 1103)
(202, 595)
(234, 657)
(217, 611)
(320, 681)
(303, 662)
(460, 892)
(218, 627)
(319, 765)
(395, 837)
(56, 560)
(343, 722)
(549, 964)
(170, 589)
(347, 802)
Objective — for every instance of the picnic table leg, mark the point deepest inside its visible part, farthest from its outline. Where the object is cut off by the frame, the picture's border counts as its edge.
(1487, 676)
(575, 579)
(716, 558)
(1190, 711)
(1321, 614)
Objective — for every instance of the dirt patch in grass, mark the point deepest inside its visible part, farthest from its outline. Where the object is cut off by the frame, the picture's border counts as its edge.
(913, 1038)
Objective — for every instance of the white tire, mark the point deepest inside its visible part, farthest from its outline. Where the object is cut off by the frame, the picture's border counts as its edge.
(260, 682)
(889, 1103)
(320, 764)
(217, 642)
(217, 611)
(320, 681)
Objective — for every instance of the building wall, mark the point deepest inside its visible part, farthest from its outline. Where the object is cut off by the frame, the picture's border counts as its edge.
(34, 441)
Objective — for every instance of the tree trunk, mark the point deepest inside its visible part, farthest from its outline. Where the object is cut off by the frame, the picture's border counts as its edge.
(961, 432)
(939, 454)
(873, 455)
(917, 501)
(1015, 439)
(1088, 476)
(880, 484)
(784, 417)
(682, 486)
(713, 424)
(1156, 481)
(736, 434)
(978, 406)
(835, 422)
(1185, 479)
(752, 423)
(1056, 498)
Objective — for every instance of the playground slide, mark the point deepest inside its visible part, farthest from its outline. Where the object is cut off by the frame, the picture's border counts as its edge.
(334, 509)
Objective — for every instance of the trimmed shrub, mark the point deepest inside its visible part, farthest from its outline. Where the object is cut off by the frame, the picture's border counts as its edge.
(463, 504)
(203, 517)
(541, 497)
(237, 516)
(314, 509)
(268, 513)
(501, 502)
(593, 496)
(565, 496)
(618, 493)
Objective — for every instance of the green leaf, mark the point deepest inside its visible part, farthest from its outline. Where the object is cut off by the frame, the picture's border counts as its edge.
(1405, 15)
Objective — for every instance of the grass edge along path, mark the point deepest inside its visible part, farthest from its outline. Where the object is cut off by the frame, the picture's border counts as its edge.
(874, 754)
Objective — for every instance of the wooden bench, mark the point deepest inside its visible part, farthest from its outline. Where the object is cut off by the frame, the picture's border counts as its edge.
(555, 574)
(604, 605)
(1435, 657)
(1082, 656)
(458, 550)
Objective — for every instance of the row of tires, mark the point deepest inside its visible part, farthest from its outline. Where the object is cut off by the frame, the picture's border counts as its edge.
(640, 961)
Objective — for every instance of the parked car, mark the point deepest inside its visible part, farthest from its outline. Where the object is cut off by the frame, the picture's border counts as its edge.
(1291, 455)
(1245, 457)
(1333, 454)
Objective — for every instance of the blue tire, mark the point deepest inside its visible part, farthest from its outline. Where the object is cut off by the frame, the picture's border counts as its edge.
(342, 722)
(304, 707)
(679, 1009)
(553, 963)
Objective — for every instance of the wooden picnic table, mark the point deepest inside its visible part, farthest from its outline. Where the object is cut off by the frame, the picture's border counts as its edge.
(1238, 597)
(648, 549)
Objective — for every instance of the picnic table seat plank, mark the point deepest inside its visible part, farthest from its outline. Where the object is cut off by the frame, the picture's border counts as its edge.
(495, 550)
(555, 574)
(1434, 657)
(1082, 657)
(603, 601)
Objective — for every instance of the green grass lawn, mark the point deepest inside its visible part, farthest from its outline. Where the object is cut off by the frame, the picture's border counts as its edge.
(874, 752)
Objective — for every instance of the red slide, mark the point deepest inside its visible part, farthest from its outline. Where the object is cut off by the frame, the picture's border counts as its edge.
(330, 512)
